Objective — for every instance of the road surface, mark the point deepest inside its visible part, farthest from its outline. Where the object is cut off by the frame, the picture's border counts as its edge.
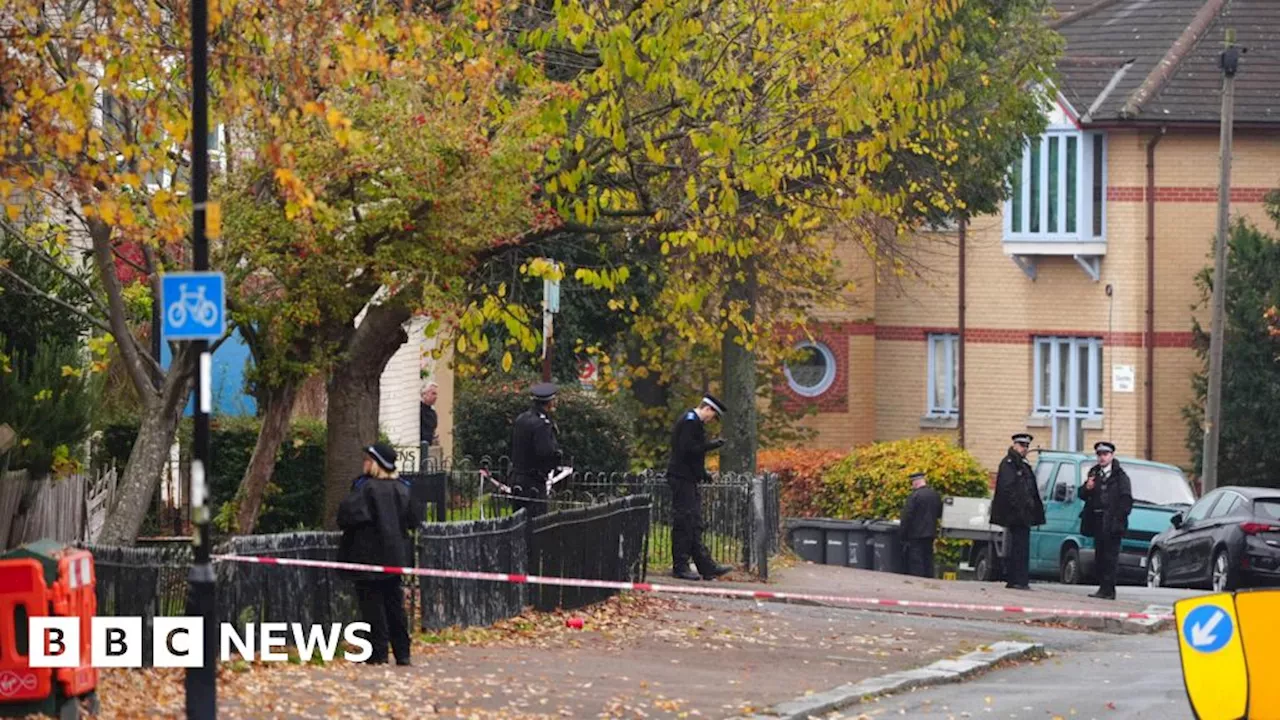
(1126, 677)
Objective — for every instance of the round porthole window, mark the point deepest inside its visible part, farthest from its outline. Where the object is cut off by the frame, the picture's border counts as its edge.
(814, 372)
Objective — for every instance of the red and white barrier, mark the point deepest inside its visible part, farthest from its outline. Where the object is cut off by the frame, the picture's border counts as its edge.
(691, 589)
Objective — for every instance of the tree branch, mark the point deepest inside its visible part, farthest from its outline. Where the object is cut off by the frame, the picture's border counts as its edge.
(100, 234)
(33, 290)
(44, 258)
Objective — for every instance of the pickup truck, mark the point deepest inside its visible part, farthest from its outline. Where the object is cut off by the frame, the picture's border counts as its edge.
(1058, 550)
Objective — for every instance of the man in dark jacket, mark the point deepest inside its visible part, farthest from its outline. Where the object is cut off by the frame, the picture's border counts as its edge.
(1108, 500)
(1017, 507)
(375, 519)
(687, 468)
(920, 525)
(535, 450)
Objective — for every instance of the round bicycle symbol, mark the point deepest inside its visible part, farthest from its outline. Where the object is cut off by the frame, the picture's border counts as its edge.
(202, 310)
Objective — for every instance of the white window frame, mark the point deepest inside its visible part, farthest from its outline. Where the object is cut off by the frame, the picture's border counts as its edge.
(828, 377)
(1049, 350)
(943, 347)
(1085, 142)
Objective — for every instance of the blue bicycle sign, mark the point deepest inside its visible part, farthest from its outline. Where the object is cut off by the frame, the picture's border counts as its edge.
(194, 306)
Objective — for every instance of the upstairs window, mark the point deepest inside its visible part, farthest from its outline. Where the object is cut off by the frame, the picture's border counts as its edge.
(944, 364)
(1058, 191)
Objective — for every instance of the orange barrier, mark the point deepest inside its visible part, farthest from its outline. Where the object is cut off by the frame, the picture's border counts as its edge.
(44, 579)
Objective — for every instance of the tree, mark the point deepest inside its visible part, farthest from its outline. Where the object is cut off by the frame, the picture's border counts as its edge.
(372, 190)
(722, 150)
(1251, 353)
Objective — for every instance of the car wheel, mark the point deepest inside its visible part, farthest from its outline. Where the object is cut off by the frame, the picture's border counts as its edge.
(984, 566)
(1155, 569)
(1223, 577)
(1070, 572)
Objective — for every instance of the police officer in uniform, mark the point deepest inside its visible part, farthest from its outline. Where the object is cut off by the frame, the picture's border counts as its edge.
(1108, 500)
(1017, 507)
(920, 525)
(535, 450)
(687, 468)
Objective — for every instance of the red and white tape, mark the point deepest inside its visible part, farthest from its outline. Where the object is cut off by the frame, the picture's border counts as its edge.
(692, 589)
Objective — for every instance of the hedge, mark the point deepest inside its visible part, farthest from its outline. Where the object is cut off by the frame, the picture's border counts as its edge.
(873, 481)
(593, 435)
(800, 472)
(294, 499)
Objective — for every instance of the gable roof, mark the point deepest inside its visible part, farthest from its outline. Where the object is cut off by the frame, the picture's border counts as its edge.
(1156, 61)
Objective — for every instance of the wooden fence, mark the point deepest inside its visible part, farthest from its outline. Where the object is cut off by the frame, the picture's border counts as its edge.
(67, 509)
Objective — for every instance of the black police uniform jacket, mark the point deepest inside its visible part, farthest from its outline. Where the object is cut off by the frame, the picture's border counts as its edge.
(535, 450)
(921, 513)
(1017, 500)
(375, 519)
(1108, 504)
(689, 448)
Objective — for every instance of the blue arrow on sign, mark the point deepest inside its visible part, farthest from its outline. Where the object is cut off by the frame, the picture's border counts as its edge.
(193, 306)
(1208, 628)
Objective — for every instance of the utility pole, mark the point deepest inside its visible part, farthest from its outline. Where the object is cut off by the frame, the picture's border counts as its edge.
(1229, 61)
(550, 306)
(201, 682)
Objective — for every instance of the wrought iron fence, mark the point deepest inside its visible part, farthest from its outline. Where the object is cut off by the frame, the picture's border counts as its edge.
(499, 545)
(605, 541)
(728, 525)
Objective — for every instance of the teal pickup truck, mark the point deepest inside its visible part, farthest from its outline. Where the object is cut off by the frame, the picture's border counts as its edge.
(1058, 550)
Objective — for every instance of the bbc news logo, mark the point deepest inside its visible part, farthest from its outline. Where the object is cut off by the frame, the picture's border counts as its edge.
(178, 642)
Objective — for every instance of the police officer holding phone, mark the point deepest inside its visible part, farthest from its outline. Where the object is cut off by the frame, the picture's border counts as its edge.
(1108, 500)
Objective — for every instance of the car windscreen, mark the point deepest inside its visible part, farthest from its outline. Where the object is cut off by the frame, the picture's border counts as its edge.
(1268, 508)
(1158, 486)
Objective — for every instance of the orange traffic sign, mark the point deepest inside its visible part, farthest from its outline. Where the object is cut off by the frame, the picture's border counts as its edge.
(1259, 613)
(1213, 664)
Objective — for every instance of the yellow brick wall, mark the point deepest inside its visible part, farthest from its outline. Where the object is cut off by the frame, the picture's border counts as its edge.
(1002, 300)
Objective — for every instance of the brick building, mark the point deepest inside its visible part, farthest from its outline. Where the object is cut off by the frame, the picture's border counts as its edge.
(1078, 296)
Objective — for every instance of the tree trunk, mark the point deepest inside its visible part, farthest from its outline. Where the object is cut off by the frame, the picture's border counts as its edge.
(354, 389)
(277, 408)
(137, 487)
(740, 430)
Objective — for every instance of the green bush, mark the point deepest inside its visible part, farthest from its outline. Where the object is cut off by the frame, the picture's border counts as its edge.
(593, 435)
(46, 397)
(873, 482)
(295, 497)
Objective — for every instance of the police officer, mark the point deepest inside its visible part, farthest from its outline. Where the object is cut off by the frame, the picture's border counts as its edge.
(1108, 500)
(1017, 507)
(535, 450)
(920, 525)
(375, 518)
(687, 468)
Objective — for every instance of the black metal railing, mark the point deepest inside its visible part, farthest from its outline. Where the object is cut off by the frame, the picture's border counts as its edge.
(496, 546)
(605, 541)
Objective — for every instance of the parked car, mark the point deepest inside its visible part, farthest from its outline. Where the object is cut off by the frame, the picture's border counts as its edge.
(1058, 550)
(1228, 540)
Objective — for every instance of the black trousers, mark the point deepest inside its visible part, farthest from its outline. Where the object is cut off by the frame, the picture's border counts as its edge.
(920, 557)
(686, 527)
(1017, 559)
(382, 606)
(1107, 560)
(533, 495)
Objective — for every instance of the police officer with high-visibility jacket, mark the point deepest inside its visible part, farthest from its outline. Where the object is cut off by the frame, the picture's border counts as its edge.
(535, 450)
(687, 468)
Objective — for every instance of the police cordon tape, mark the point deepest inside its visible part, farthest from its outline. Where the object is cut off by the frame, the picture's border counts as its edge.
(689, 589)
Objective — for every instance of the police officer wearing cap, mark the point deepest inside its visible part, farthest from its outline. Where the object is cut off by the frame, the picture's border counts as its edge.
(375, 518)
(1108, 500)
(687, 468)
(920, 525)
(1017, 507)
(535, 449)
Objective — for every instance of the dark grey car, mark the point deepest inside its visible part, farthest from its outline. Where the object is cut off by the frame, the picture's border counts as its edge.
(1229, 539)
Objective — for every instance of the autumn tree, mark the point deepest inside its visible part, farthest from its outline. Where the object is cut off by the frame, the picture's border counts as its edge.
(376, 182)
(721, 151)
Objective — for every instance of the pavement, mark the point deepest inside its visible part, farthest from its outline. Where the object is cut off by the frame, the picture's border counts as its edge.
(652, 656)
